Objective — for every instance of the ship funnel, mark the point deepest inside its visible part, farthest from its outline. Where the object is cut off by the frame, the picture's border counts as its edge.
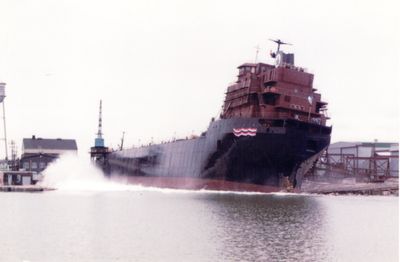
(284, 59)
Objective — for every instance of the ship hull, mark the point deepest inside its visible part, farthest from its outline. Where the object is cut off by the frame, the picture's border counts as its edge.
(190, 183)
(275, 157)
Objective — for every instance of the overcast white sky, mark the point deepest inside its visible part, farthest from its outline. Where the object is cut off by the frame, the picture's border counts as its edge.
(163, 66)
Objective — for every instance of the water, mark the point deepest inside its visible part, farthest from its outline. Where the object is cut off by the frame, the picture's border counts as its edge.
(103, 221)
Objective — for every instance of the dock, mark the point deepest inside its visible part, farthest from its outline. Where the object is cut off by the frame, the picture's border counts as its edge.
(28, 189)
(385, 188)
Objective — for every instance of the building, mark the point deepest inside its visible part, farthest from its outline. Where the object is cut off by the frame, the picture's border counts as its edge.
(374, 160)
(18, 178)
(394, 160)
(37, 153)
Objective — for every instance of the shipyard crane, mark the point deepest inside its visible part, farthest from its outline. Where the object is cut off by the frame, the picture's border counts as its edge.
(99, 151)
(99, 132)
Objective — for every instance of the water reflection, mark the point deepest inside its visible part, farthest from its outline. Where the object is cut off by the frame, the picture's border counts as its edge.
(142, 225)
(268, 227)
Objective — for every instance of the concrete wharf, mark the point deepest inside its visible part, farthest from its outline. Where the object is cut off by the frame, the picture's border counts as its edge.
(29, 189)
(385, 188)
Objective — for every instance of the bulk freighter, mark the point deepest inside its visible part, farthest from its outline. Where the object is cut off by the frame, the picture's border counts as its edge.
(270, 133)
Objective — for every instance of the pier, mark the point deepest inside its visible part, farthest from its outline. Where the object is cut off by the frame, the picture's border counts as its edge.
(28, 189)
(389, 187)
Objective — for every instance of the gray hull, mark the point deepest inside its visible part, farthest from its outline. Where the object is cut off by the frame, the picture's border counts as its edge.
(278, 153)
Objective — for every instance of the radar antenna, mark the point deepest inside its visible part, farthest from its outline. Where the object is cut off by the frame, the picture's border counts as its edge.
(279, 42)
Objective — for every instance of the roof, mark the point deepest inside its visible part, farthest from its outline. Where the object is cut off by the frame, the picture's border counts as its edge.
(247, 64)
(342, 144)
(45, 143)
(394, 148)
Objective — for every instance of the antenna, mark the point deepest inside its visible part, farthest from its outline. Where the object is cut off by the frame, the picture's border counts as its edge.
(122, 141)
(257, 51)
(13, 150)
(14, 165)
(279, 42)
(99, 133)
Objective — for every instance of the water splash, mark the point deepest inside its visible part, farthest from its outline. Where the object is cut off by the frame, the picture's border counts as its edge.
(76, 174)
(73, 173)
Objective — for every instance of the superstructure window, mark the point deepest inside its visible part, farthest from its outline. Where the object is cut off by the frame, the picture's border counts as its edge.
(287, 98)
(253, 99)
(270, 99)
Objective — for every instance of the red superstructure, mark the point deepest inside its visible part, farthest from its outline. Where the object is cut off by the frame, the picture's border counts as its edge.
(281, 91)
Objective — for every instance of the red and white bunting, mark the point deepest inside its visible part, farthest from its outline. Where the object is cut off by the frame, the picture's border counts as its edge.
(245, 131)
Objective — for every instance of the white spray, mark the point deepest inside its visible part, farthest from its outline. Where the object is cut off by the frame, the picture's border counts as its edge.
(74, 173)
